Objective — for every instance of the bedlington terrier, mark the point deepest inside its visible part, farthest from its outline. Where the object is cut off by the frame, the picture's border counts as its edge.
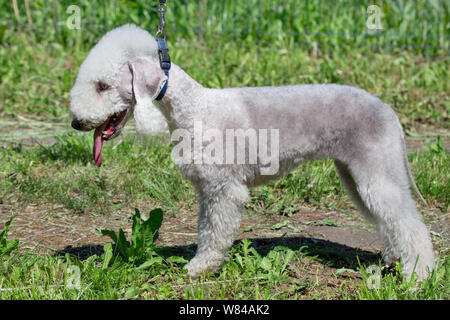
(121, 76)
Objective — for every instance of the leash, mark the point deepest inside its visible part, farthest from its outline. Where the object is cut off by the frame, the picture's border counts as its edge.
(163, 51)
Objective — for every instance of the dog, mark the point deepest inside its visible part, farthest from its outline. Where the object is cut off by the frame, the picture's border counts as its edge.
(122, 76)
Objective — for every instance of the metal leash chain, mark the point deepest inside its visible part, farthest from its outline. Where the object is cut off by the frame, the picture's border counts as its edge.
(162, 10)
(163, 51)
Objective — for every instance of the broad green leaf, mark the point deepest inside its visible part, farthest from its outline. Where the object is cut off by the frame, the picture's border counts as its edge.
(155, 219)
(149, 263)
(4, 232)
(7, 246)
(176, 259)
(124, 245)
(151, 226)
(10, 246)
(137, 230)
(107, 256)
(131, 292)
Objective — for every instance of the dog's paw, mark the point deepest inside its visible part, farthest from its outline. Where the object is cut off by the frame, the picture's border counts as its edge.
(194, 270)
(192, 274)
(197, 266)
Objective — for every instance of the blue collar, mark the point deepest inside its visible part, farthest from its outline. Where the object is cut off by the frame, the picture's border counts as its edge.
(164, 61)
(164, 89)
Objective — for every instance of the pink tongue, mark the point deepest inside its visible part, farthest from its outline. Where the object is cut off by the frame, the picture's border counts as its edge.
(98, 144)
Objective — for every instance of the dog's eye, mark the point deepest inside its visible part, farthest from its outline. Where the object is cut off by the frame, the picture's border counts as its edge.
(101, 86)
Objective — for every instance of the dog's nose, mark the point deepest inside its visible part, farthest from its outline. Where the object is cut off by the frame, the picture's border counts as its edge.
(76, 124)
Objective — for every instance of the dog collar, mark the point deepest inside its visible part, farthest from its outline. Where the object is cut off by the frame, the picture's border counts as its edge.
(164, 61)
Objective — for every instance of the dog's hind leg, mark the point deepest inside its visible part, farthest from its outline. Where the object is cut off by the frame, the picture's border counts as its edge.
(380, 189)
(350, 186)
(218, 223)
(389, 256)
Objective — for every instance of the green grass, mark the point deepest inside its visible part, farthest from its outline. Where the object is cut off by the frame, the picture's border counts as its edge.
(63, 173)
(280, 273)
(420, 26)
(136, 171)
(410, 84)
(264, 45)
(220, 44)
(395, 287)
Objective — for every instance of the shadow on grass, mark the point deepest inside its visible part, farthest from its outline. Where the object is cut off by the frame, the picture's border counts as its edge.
(82, 252)
(331, 254)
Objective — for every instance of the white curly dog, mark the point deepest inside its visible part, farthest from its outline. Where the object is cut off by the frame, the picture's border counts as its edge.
(122, 76)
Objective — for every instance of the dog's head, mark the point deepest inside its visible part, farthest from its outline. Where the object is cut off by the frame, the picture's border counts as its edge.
(119, 77)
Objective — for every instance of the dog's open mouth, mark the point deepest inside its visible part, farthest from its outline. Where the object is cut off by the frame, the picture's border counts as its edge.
(107, 131)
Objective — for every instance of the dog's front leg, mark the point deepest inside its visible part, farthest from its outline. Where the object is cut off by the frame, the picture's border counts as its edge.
(218, 223)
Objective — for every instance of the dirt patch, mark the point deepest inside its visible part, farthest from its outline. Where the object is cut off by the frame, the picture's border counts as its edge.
(419, 143)
(56, 230)
(44, 229)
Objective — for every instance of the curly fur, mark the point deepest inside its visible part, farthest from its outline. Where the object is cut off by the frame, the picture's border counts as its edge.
(361, 133)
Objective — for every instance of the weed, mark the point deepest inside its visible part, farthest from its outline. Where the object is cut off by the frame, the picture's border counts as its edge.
(143, 235)
(7, 246)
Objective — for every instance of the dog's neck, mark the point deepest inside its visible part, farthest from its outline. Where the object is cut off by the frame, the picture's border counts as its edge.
(182, 102)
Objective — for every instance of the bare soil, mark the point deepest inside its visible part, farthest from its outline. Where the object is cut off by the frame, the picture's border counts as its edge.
(53, 230)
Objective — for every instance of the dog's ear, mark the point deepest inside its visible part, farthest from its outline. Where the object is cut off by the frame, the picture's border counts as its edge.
(148, 79)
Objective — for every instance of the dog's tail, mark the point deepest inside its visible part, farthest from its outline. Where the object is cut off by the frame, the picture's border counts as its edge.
(411, 178)
(408, 168)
